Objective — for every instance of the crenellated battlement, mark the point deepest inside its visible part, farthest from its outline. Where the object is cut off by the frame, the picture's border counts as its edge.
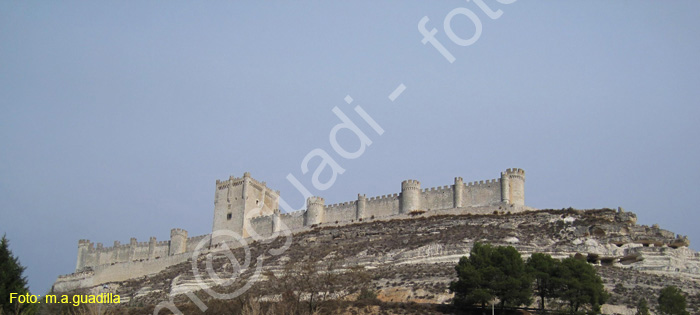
(341, 204)
(193, 241)
(484, 182)
(515, 173)
(176, 232)
(133, 243)
(235, 181)
(260, 218)
(314, 200)
(439, 188)
(261, 185)
(410, 184)
(231, 182)
(292, 214)
(383, 197)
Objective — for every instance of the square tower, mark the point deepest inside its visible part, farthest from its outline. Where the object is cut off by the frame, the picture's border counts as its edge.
(238, 199)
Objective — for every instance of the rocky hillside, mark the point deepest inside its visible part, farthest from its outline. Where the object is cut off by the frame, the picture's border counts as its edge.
(412, 259)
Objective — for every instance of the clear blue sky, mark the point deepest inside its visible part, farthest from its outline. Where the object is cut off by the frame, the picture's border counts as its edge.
(117, 118)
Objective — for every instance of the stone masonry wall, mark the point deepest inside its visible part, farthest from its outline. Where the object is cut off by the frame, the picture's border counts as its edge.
(244, 201)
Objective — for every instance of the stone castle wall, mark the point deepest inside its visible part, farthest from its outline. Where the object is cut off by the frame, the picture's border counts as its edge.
(91, 256)
(244, 205)
(509, 189)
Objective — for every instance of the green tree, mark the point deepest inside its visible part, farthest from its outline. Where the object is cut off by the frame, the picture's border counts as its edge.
(642, 307)
(580, 285)
(542, 267)
(511, 283)
(11, 279)
(470, 288)
(491, 272)
(672, 301)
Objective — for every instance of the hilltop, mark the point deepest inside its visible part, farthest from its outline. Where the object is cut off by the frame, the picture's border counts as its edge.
(411, 259)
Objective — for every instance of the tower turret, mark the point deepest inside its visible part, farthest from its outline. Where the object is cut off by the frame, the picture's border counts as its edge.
(361, 207)
(132, 248)
(152, 247)
(505, 188)
(83, 247)
(314, 211)
(410, 196)
(458, 192)
(178, 241)
(276, 221)
(246, 183)
(513, 186)
(115, 253)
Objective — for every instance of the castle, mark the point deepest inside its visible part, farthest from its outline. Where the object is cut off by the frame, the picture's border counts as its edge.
(244, 205)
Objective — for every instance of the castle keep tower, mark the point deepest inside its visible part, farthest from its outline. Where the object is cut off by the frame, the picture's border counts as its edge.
(315, 208)
(513, 186)
(410, 196)
(239, 199)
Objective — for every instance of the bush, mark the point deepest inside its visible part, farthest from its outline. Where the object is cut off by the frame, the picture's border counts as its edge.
(367, 294)
(672, 301)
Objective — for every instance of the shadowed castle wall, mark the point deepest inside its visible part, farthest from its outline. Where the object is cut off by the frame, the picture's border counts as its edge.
(382, 206)
(341, 212)
(293, 220)
(483, 193)
(262, 225)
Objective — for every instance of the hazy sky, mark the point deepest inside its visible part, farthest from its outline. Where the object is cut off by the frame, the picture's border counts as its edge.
(117, 118)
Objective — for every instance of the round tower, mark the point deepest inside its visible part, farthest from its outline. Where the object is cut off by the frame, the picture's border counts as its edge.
(246, 182)
(458, 192)
(505, 188)
(361, 207)
(152, 247)
(83, 246)
(276, 221)
(178, 241)
(410, 196)
(133, 243)
(516, 186)
(314, 211)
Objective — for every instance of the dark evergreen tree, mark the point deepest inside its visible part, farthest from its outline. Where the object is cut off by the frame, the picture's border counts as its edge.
(672, 301)
(11, 279)
(511, 283)
(491, 272)
(542, 267)
(472, 285)
(642, 307)
(580, 285)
